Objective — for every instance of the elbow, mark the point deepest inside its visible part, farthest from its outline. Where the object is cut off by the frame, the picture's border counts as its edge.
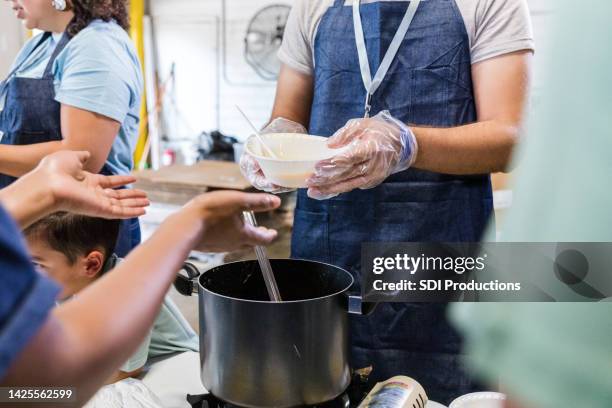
(509, 143)
(94, 166)
(96, 160)
(504, 162)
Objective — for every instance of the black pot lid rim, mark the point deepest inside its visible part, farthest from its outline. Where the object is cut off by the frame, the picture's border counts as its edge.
(270, 302)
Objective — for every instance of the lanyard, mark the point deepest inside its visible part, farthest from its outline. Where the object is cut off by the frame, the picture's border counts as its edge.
(371, 85)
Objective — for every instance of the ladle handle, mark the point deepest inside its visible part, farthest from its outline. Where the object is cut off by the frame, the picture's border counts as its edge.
(264, 263)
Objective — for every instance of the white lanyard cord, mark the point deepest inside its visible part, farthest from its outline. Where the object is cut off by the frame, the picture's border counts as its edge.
(372, 85)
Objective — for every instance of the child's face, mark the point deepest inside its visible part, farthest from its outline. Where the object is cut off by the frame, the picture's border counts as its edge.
(56, 265)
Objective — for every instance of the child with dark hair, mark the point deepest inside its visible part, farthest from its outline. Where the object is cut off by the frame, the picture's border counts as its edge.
(77, 250)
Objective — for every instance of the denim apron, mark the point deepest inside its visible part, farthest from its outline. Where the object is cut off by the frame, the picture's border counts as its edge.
(429, 83)
(32, 115)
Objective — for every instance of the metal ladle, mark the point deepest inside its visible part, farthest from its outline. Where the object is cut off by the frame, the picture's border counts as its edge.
(249, 217)
(264, 263)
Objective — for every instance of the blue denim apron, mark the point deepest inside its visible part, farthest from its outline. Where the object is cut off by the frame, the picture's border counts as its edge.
(429, 83)
(32, 115)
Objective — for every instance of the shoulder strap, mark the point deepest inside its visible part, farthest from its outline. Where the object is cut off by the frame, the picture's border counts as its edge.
(44, 38)
(58, 48)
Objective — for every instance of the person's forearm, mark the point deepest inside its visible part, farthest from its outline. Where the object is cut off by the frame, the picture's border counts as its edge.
(294, 93)
(27, 200)
(17, 160)
(127, 301)
(479, 148)
(81, 131)
(89, 337)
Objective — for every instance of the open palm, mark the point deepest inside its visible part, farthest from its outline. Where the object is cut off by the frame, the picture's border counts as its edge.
(77, 190)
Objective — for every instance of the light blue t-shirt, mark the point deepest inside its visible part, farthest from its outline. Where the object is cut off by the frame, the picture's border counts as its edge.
(98, 71)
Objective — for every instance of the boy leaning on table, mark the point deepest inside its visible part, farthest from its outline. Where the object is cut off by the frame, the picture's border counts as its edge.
(76, 250)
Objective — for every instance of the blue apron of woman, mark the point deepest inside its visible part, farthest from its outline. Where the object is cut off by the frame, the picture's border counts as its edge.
(428, 83)
(32, 115)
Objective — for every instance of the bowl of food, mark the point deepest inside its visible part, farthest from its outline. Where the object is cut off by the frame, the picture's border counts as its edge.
(295, 156)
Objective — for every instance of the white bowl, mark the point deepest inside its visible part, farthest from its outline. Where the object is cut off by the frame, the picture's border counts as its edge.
(238, 149)
(480, 400)
(296, 155)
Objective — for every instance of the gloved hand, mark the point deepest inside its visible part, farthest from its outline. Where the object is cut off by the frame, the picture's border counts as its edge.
(249, 166)
(377, 147)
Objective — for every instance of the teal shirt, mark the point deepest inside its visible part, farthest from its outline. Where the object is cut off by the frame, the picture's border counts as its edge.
(99, 72)
(558, 355)
(170, 334)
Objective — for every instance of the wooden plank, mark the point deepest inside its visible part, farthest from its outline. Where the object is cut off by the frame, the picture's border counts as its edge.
(205, 174)
(168, 193)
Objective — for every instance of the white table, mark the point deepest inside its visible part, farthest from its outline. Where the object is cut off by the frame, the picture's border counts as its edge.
(171, 379)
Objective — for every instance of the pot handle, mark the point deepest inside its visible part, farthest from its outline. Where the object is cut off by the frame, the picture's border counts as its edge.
(186, 284)
(357, 306)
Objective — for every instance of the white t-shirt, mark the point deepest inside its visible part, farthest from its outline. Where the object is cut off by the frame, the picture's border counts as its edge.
(494, 27)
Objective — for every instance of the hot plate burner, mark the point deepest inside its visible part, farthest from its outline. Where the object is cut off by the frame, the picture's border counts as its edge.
(210, 401)
(355, 393)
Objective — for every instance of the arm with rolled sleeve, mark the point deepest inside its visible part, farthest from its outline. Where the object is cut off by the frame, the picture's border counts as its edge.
(294, 90)
(94, 77)
(501, 43)
(298, 40)
(95, 86)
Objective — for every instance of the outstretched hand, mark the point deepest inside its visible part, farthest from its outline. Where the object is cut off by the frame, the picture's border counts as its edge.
(224, 228)
(375, 148)
(76, 190)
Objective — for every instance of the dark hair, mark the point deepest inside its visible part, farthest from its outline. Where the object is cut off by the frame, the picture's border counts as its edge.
(76, 235)
(85, 11)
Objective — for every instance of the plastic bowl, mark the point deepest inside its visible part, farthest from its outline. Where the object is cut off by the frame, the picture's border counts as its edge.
(433, 404)
(296, 154)
(480, 400)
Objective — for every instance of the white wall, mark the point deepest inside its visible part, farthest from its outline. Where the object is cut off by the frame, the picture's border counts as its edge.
(12, 36)
(188, 33)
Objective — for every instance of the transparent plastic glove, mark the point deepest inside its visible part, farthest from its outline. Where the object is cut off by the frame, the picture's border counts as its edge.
(377, 147)
(249, 166)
